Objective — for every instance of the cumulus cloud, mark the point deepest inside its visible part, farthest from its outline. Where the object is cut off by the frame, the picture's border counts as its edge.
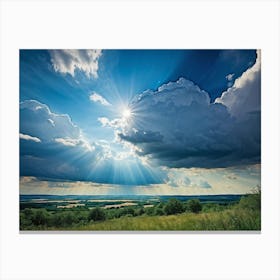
(177, 126)
(229, 77)
(176, 178)
(68, 141)
(68, 61)
(29, 138)
(182, 178)
(62, 146)
(118, 124)
(244, 97)
(95, 97)
(64, 153)
(104, 121)
(37, 119)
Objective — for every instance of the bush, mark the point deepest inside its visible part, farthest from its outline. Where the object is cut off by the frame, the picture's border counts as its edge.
(150, 211)
(127, 211)
(140, 211)
(69, 218)
(56, 220)
(39, 217)
(173, 206)
(97, 214)
(194, 205)
(159, 211)
(251, 201)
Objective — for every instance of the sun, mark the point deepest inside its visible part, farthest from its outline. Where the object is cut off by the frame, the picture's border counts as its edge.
(126, 114)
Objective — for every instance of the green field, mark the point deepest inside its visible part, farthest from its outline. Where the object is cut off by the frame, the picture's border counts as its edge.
(170, 215)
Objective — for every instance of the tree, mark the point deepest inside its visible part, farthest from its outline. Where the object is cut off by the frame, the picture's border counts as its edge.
(194, 205)
(173, 206)
(97, 214)
(39, 217)
(140, 211)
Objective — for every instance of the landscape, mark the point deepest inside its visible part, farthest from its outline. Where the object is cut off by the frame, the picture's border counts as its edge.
(140, 140)
(214, 212)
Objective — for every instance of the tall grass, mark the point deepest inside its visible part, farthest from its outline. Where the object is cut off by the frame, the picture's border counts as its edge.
(232, 219)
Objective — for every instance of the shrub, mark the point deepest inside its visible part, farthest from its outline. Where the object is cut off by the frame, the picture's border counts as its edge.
(173, 206)
(127, 211)
(150, 211)
(69, 218)
(194, 205)
(251, 201)
(159, 211)
(97, 214)
(139, 211)
(39, 217)
(56, 220)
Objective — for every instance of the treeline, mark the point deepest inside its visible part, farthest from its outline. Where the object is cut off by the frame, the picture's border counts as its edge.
(34, 219)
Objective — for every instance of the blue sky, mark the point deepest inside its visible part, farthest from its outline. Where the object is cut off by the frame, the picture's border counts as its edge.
(139, 121)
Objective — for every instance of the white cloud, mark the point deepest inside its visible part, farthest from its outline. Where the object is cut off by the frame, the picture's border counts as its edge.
(50, 127)
(104, 121)
(29, 138)
(37, 119)
(244, 97)
(68, 61)
(51, 122)
(229, 77)
(67, 141)
(118, 123)
(74, 142)
(177, 178)
(184, 178)
(95, 97)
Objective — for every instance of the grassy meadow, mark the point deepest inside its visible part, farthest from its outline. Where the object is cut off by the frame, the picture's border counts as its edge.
(173, 214)
(234, 219)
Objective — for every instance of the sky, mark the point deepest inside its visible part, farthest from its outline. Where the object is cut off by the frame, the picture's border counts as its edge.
(155, 122)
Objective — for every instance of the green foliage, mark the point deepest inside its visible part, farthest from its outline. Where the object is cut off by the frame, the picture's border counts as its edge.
(97, 214)
(150, 211)
(251, 201)
(159, 211)
(194, 205)
(32, 218)
(127, 211)
(173, 206)
(140, 211)
(213, 207)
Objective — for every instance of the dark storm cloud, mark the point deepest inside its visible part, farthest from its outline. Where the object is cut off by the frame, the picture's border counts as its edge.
(194, 132)
(142, 137)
